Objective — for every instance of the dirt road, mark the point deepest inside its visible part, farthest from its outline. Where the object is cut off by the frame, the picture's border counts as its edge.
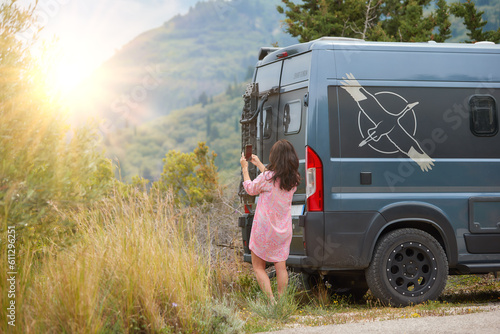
(487, 322)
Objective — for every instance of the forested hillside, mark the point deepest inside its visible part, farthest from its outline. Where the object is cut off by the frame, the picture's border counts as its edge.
(170, 67)
(182, 83)
(140, 149)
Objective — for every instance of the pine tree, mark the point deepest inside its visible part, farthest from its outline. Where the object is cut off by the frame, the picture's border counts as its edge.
(442, 21)
(316, 18)
(473, 19)
(208, 124)
(203, 99)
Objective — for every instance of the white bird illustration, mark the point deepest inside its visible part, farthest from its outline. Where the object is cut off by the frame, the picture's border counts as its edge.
(386, 124)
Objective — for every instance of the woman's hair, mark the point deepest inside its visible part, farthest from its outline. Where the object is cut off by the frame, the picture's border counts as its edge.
(284, 162)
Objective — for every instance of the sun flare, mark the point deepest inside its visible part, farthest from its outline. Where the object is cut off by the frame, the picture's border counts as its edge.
(66, 76)
(64, 72)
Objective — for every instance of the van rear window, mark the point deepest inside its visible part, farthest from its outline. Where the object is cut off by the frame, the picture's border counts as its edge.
(296, 69)
(268, 122)
(483, 115)
(269, 76)
(292, 117)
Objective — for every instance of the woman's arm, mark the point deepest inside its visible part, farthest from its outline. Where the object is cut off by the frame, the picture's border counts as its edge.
(255, 160)
(244, 168)
(258, 185)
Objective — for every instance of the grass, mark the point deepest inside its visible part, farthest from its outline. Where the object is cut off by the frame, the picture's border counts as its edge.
(138, 267)
(285, 305)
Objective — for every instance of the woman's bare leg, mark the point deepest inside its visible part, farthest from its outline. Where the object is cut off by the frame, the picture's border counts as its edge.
(281, 277)
(259, 267)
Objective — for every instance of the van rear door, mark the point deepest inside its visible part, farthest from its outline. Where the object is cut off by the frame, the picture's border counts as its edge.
(268, 80)
(291, 125)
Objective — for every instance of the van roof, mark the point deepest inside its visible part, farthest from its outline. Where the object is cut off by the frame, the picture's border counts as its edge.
(343, 43)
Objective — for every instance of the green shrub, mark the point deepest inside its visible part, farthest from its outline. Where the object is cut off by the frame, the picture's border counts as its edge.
(191, 176)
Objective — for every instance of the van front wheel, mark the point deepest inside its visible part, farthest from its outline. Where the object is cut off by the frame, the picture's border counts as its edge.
(408, 267)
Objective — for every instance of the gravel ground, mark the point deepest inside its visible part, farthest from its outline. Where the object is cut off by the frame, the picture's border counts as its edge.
(487, 322)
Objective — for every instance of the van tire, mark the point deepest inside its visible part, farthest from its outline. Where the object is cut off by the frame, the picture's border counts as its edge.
(409, 266)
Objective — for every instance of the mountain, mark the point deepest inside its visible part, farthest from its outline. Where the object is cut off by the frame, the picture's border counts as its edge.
(201, 52)
(182, 83)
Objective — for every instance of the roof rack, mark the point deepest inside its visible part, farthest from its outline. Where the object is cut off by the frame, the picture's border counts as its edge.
(485, 43)
(332, 38)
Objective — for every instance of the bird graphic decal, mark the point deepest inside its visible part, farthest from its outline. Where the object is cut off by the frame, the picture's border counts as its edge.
(386, 124)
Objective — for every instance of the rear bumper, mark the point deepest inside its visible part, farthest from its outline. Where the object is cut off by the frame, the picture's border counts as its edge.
(294, 261)
(307, 242)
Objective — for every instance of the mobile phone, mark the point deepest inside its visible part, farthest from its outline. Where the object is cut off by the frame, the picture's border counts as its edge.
(248, 152)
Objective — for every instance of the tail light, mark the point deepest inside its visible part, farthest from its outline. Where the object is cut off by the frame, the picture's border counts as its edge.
(248, 208)
(314, 181)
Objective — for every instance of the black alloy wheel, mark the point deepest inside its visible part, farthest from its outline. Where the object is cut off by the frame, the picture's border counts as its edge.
(408, 267)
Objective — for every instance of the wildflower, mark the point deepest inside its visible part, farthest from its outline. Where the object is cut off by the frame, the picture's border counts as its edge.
(174, 305)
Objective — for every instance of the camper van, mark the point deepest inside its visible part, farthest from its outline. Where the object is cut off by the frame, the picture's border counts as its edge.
(399, 150)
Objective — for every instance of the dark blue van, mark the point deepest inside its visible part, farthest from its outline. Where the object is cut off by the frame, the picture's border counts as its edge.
(400, 158)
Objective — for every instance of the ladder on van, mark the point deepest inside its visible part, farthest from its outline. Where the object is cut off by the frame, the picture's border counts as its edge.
(248, 123)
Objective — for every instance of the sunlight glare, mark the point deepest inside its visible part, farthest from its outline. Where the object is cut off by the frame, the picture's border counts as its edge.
(65, 68)
(67, 75)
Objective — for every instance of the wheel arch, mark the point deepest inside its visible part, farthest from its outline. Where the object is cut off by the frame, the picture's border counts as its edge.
(422, 216)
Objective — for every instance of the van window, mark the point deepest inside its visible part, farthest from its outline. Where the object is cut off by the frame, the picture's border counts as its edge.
(296, 69)
(268, 122)
(292, 117)
(268, 76)
(483, 115)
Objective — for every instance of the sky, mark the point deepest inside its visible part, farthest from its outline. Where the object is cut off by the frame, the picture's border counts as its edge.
(89, 32)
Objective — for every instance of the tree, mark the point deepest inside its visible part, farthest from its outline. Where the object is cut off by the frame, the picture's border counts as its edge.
(365, 19)
(442, 21)
(370, 16)
(316, 18)
(209, 125)
(381, 20)
(191, 176)
(203, 99)
(473, 20)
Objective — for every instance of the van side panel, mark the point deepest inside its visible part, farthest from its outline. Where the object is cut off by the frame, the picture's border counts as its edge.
(403, 134)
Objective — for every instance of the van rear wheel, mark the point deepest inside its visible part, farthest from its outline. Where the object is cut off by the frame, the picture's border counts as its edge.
(409, 266)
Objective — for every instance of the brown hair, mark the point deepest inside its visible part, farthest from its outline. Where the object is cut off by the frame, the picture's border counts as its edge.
(284, 162)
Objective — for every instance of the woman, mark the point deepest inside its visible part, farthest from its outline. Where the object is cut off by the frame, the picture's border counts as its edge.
(272, 224)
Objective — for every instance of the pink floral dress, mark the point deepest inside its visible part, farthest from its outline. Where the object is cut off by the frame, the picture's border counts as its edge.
(272, 224)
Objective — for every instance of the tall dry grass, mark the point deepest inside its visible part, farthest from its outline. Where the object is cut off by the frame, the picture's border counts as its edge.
(138, 266)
